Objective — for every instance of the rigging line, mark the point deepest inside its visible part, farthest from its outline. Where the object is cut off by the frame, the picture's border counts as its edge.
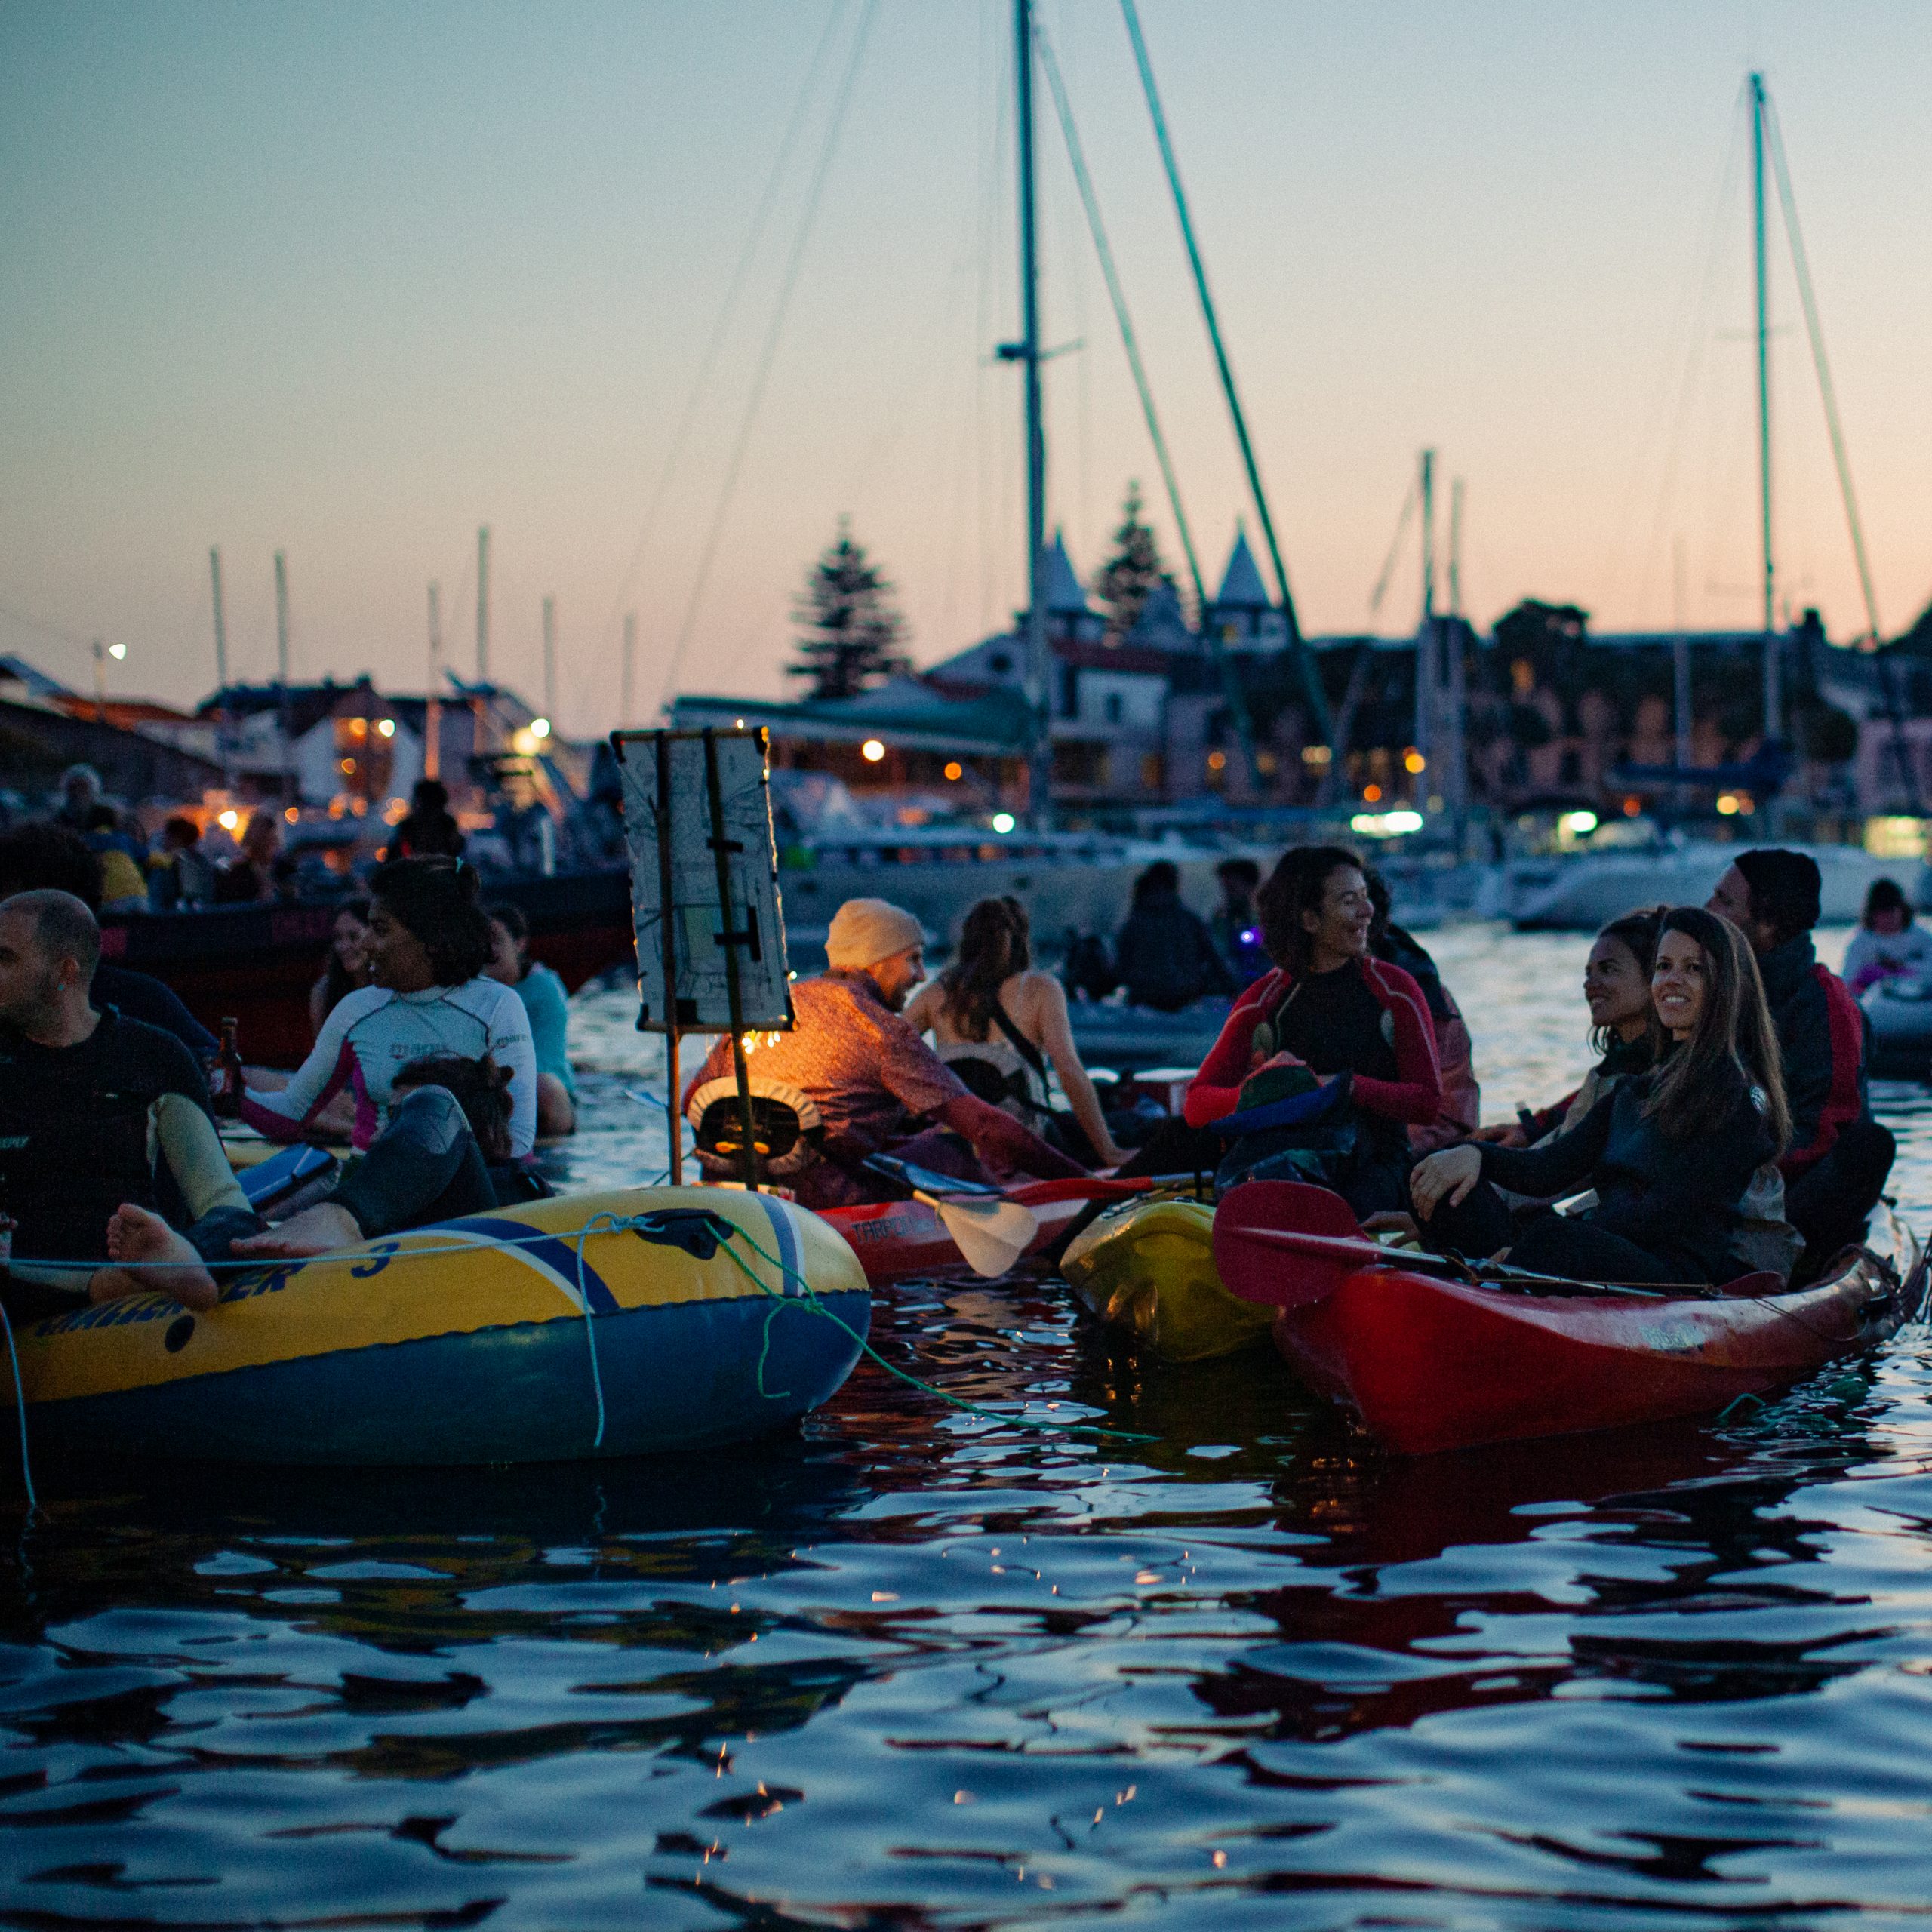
(1381, 590)
(1130, 341)
(1815, 329)
(768, 354)
(747, 254)
(1317, 698)
(1232, 694)
(1674, 454)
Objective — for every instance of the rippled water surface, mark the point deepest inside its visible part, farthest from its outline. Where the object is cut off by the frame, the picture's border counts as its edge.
(913, 1668)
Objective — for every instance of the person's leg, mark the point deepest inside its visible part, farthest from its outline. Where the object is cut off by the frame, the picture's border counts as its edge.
(424, 1166)
(1474, 1228)
(555, 1114)
(1566, 1245)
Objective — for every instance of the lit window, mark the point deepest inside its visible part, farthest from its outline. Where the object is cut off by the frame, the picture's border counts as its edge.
(871, 751)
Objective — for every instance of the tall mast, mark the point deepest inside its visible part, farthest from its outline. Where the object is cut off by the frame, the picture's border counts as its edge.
(626, 689)
(1425, 641)
(433, 709)
(282, 675)
(479, 705)
(550, 658)
(1039, 745)
(1773, 708)
(220, 665)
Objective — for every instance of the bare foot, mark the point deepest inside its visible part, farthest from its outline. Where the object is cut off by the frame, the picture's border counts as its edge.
(134, 1236)
(321, 1229)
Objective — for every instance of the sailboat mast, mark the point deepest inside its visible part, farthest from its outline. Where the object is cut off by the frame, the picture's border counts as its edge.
(432, 709)
(1773, 708)
(282, 677)
(1039, 747)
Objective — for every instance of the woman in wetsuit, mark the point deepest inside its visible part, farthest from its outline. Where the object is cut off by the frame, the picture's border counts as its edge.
(1331, 1007)
(1669, 1153)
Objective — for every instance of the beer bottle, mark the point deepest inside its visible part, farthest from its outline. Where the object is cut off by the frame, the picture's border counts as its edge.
(227, 1097)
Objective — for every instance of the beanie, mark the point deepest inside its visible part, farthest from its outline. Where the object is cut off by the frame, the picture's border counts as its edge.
(864, 931)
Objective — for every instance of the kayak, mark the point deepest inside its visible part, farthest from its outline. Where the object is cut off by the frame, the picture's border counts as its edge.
(906, 1241)
(1148, 1266)
(536, 1333)
(1427, 1362)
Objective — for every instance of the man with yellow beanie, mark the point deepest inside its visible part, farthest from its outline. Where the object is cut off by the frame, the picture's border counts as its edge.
(878, 1087)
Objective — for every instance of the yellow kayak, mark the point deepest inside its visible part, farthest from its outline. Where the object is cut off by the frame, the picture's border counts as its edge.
(1148, 1266)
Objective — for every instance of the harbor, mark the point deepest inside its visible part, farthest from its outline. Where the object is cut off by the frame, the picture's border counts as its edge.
(963, 967)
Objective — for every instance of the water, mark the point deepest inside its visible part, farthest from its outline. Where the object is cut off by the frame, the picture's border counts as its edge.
(911, 1668)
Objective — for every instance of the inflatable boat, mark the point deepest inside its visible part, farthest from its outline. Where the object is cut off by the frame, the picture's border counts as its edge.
(1147, 1266)
(612, 1324)
(1428, 1361)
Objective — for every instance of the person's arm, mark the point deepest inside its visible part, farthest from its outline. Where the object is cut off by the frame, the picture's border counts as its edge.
(1056, 1036)
(1557, 1166)
(281, 1115)
(1002, 1141)
(1216, 1090)
(924, 1007)
(318, 994)
(1816, 1059)
(510, 1046)
(1415, 1095)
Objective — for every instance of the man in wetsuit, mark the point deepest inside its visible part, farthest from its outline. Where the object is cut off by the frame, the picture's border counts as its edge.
(875, 1082)
(97, 1112)
(1839, 1155)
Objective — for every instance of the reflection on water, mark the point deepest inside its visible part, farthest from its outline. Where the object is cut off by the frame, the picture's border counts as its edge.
(912, 1668)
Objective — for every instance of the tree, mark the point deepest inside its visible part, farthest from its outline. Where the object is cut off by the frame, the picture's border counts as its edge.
(1132, 572)
(850, 632)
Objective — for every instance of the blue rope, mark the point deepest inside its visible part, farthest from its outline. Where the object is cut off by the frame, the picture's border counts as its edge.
(589, 1321)
(20, 1408)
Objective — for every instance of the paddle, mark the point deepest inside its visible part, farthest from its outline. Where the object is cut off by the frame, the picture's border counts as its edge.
(991, 1234)
(1285, 1244)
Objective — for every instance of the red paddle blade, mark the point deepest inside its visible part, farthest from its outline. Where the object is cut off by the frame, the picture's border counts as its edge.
(1285, 1244)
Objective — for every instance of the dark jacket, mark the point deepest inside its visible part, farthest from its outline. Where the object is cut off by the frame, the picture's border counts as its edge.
(1677, 1198)
(1165, 957)
(1821, 1039)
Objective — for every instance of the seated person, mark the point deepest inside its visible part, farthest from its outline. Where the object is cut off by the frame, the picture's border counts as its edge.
(444, 1154)
(874, 1081)
(1329, 1006)
(261, 872)
(547, 1007)
(1235, 925)
(1670, 1154)
(98, 1111)
(1455, 1053)
(992, 1009)
(429, 829)
(346, 969)
(427, 944)
(52, 858)
(1625, 1033)
(1888, 944)
(179, 877)
(1164, 955)
(1837, 1157)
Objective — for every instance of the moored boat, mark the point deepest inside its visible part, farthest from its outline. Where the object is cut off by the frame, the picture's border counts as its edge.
(1428, 1362)
(601, 1324)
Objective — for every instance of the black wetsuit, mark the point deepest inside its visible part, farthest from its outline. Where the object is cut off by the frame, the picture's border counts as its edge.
(1667, 1210)
(76, 1137)
(1335, 1023)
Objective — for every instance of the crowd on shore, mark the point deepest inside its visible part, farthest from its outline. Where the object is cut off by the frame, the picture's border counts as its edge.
(1725, 1127)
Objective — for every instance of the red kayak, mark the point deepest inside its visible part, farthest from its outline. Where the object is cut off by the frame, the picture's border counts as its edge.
(905, 1241)
(1427, 1362)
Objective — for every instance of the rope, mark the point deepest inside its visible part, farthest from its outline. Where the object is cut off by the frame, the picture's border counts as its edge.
(589, 1323)
(20, 1409)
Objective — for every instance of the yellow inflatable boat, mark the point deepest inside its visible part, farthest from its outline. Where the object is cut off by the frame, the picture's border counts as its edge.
(1148, 1266)
(596, 1324)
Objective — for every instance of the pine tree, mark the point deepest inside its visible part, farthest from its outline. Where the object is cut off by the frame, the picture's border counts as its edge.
(850, 631)
(1132, 572)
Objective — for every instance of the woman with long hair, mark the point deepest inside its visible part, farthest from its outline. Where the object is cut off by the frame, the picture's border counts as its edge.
(548, 1008)
(1626, 1034)
(346, 969)
(1330, 1007)
(1669, 1154)
(427, 943)
(999, 1022)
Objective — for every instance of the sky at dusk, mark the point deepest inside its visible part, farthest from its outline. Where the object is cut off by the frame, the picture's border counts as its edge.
(349, 280)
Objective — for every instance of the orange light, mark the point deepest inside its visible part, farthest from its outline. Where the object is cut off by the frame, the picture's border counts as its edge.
(291, 814)
(1632, 806)
(1217, 761)
(1413, 760)
(955, 770)
(1371, 794)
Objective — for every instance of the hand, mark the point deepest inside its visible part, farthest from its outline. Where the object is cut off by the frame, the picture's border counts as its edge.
(1499, 1136)
(1449, 1174)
